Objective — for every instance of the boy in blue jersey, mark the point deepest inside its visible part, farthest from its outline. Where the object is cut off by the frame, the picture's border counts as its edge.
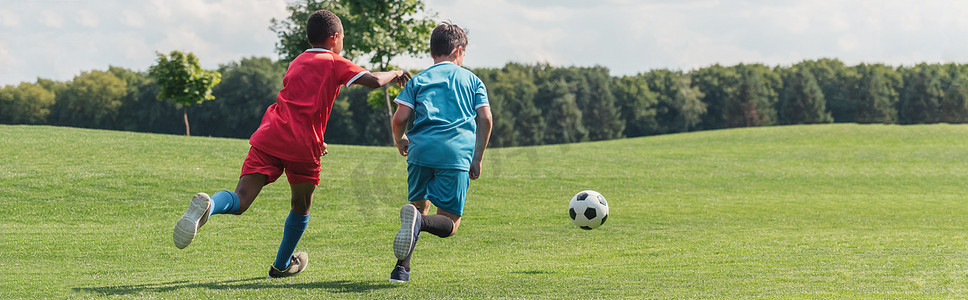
(445, 146)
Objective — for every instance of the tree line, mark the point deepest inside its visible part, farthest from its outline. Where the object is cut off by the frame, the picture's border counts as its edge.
(533, 104)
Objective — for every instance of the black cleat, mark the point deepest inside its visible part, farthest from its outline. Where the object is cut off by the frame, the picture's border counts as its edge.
(399, 275)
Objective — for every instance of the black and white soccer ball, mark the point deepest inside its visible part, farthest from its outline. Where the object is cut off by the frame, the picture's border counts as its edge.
(588, 209)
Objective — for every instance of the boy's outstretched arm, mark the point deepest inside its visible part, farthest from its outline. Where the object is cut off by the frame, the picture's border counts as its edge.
(399, 123)
(377, 79)
(483, 135)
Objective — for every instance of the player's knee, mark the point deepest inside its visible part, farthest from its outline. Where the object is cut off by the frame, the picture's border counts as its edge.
(446, 234)
(242, 208)
(301, 206)
(245, 199)
(454, 231)
(300, 210)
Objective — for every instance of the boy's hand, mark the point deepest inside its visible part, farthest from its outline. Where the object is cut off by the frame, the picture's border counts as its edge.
(375, 80)
(323, 149)
(402, 77)
(475, 171)
(403, 145)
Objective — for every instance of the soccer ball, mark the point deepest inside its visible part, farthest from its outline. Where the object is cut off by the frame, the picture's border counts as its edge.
(588, 209)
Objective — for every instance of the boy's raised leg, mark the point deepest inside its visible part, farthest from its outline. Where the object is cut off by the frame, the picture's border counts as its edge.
(405, 242)
(406, 238)
(224, 202)
(443, 224)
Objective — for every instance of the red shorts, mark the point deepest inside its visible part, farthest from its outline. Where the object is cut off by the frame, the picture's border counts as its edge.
(264, 163)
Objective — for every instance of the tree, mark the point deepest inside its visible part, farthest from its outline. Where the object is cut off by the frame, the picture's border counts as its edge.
(600, 115)
(378, 29)
(679, 107)
(921, 96)
(349, 118)
(529, 123)
(688, 103)
(91, 100)
(27, 103)
(955, 103)
(55, 87)
(519, 91)
(753, 103)
(801, 100)
(499, 97)
(835, 81)
(247, 88)
(564, 124)
(717, 84)
(140, 109)
(182, 80)
(664, 83)
(876, 94)
(292, 30)
(637, 102)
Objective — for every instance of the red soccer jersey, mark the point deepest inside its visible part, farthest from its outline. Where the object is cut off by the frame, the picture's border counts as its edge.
(292, 128)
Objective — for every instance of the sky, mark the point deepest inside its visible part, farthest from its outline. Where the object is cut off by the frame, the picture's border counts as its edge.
(59, 39)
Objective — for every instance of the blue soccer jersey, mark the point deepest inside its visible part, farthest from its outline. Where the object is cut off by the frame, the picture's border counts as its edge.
(445, 99)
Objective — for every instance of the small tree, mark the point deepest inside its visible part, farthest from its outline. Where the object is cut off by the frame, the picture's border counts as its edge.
(181, 79)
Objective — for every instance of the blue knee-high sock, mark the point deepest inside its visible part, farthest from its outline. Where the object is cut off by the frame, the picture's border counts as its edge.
(295, 225)
(224, 202)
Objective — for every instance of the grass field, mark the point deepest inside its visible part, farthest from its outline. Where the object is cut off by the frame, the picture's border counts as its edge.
(826, 211)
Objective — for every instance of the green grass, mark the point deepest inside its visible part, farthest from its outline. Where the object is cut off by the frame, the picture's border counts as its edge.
(828, 211)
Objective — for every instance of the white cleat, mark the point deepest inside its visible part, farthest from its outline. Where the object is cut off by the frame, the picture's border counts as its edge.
(194, 218)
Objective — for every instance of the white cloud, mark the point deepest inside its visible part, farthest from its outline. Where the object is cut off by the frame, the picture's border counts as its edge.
(216, 31)
(501, 31)
(627, 36)
(847, 43)
(185, 40)
(182, 9)
(134, 48)
(8, 18)
(542, 14)
(161, 8)
(4, 57)
(87, 18)
(51, 19)
(132, 19)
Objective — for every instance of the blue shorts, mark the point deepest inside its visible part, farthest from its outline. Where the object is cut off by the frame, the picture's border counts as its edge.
(445, 188)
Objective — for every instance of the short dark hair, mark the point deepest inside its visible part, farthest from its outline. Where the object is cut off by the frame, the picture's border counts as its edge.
(321, 25)
(445, 38)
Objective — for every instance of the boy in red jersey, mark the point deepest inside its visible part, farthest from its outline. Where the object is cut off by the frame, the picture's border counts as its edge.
(290, 139)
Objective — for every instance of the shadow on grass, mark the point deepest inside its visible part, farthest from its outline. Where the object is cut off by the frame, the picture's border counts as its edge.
(258, 283)
(532, 272)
